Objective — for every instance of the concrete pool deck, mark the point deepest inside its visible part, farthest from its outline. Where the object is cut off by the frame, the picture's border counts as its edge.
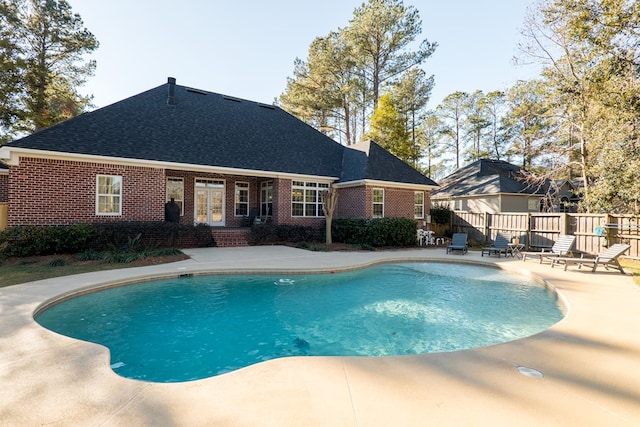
(590, 361)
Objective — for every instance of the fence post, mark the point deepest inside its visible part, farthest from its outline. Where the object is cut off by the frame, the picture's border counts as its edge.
(487, 227)
(528, 230)
(563, 223)
(610, 230)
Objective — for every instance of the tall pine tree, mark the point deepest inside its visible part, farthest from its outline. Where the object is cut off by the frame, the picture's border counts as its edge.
(50, 42)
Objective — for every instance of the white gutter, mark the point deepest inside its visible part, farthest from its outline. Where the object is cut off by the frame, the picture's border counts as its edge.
(389, 184)
(12, 156)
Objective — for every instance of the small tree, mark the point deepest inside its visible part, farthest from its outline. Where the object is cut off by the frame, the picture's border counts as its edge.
(329, 202)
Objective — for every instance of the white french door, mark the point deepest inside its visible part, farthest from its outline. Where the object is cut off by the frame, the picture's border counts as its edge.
(209, 202)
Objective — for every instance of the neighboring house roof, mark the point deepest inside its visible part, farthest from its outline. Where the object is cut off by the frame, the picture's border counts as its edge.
(570, 189)
(184, 126)
(574, 184)
(484, 177)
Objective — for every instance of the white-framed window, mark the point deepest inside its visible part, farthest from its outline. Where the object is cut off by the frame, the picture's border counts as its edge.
(418, 204)
(306, 198)
(108, 195)
(457, 205)
(266, 198)
(242, 199)
(175, 191)
(378, 202)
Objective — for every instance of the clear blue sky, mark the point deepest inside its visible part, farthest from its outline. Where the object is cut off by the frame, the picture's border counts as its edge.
(246, 48)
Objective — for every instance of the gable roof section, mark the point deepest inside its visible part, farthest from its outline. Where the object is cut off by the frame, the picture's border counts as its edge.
(369, 161)
(484, 177)
(201, 128)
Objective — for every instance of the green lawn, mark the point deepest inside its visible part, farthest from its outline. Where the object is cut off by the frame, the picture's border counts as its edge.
(21, 270)
(15, 274)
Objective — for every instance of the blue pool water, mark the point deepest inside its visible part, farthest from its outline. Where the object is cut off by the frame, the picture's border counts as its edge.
(189, 328)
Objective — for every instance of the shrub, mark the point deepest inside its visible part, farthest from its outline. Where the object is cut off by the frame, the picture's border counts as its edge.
(349, 230)
(165, 252)
(441, 214)
(375, 232)
(202, 235)
(58, 262)
(130, 253)
(114, 236)
(31, 240)
(262, 234)
(391, 232)
(119, 256)
(89, 255)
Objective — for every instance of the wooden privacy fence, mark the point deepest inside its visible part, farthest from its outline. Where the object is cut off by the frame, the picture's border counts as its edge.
(3, 215)
(594, 232)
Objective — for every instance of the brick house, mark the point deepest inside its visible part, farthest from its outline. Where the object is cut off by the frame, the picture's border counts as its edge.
(222, 159)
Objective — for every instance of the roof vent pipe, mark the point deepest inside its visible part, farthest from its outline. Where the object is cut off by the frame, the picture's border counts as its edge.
(171, 85)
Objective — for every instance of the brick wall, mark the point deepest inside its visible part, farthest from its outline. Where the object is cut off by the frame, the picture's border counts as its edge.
(282, 201)
(47, 192)
(352, 203)
(50, 192)
(398, 203)
(4, 188)
(357, 202)
(282, 206)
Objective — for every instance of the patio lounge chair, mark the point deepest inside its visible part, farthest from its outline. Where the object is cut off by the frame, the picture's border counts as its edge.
(500, 245)
(458, 243)
(562, 247)
(608, 258)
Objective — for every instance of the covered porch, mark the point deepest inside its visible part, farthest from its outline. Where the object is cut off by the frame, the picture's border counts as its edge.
(231, 204)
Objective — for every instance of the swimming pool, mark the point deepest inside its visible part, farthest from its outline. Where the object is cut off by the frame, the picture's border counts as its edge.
(195, 327)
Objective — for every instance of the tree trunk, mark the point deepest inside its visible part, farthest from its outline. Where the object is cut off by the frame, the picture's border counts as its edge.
(329, 203)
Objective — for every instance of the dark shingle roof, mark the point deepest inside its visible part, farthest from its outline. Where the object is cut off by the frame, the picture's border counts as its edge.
(202, 128)
(209, 129)
(485, 176)
(368, 160)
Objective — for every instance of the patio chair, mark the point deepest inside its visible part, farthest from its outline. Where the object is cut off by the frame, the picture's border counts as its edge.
(425, 237)
(500, 246)
(563, 247)
(608, 259)
(458, 243)
(255, 218)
